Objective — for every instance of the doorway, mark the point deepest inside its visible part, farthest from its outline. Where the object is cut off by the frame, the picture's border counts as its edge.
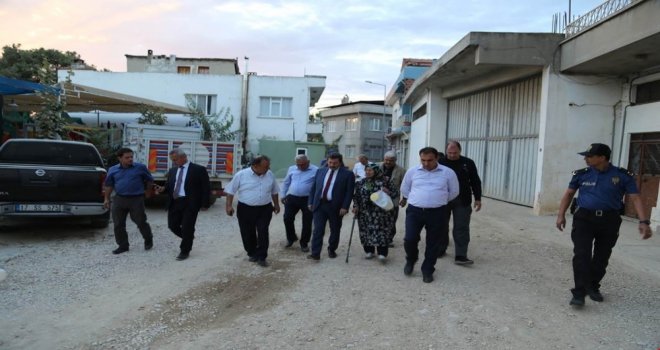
(644, 162)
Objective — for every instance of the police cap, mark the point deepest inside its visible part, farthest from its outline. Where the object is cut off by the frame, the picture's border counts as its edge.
(597, 149)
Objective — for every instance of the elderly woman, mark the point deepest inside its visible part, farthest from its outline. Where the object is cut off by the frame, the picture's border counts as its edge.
(374, 222)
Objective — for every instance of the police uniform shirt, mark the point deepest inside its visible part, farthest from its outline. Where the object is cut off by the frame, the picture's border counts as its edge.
(602, 190)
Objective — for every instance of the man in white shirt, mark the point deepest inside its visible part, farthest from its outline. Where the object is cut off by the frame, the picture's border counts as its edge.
(258, 199)
(358, 168)
(427, 189)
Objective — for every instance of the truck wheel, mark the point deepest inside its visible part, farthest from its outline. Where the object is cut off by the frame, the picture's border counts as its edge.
(100, 221)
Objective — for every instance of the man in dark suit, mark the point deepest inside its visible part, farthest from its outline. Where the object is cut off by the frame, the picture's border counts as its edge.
(189, 192)
(329, 200)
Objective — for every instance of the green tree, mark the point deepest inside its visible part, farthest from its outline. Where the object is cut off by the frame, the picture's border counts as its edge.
(215, 126)
(49, 120)
(29, 64)
(152, 115)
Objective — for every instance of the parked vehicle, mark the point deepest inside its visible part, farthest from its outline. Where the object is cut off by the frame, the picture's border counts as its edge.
(151, 145)
(51, 178)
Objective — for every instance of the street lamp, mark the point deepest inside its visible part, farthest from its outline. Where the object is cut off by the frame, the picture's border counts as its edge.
(384, 94)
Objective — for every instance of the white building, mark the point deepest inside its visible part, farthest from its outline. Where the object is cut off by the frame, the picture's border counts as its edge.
(523, 104)
(274, 107)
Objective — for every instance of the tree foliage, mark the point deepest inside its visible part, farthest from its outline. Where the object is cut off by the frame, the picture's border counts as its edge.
(215, 126)
(152, 115)
(30, 64)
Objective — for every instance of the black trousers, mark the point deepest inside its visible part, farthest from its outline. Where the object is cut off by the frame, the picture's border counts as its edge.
(326, 213)
(253, 222)
(435, 222)
(292, 205)
(593, 239)
(181, 219)
(122, 206)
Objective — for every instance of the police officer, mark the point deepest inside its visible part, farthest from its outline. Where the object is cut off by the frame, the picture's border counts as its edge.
(597, 219)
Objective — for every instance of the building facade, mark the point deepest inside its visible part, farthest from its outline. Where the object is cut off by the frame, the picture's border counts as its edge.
(262, 107)
(523, 104)
(355, 128)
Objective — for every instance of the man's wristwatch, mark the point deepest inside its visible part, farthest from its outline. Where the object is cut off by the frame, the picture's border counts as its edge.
(647, 222)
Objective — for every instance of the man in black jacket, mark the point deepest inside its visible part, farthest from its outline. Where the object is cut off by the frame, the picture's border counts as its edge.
(189, 192)
(470, 185)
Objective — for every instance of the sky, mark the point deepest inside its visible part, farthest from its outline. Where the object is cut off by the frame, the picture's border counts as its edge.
(349, 42)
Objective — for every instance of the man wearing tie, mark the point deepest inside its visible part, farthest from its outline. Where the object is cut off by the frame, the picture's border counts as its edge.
(189, 192)
(329, 200)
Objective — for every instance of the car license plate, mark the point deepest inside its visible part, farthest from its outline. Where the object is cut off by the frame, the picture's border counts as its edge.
(39, 208)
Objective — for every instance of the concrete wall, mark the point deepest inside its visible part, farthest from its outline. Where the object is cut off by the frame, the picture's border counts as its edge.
(277, 128)
(575, 111)
(437, 112)
(282, 154)
(418, 139)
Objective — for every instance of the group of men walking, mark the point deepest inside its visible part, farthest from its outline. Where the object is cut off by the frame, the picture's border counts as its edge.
(440, 187)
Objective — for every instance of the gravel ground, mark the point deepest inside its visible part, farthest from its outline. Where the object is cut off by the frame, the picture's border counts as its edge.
(65, 290)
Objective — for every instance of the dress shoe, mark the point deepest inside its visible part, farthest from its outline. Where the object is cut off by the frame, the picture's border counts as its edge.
(594, 294)
(252, 259)
(182, 256)
(120, 250)
(427, 278)
(313, 257)
(463, 260)
(262, 263)
(408, 269)
(148, 244)
(289, 243)
(304, 248)
(332, 254)
(577, 301)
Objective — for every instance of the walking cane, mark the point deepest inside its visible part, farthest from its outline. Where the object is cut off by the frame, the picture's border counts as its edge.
(348, 251)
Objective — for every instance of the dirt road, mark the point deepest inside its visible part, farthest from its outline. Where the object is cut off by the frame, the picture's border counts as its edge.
(65, 290)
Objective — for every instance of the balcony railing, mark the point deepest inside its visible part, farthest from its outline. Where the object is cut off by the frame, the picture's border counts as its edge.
(597, 15)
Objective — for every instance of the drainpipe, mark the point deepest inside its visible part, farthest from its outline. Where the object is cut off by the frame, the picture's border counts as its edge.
(244, 102)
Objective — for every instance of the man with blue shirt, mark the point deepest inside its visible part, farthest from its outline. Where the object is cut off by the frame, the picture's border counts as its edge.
(128, 179)
(597, 219)
(427, 189)
(295, 193)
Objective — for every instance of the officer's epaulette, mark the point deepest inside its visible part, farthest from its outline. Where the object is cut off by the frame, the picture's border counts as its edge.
(626, 171)
(580, 171)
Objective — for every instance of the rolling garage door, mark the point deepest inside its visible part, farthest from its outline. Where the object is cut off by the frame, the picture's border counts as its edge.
(499, 129)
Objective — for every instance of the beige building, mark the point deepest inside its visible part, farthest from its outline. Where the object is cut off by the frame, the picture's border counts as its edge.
(171, 64)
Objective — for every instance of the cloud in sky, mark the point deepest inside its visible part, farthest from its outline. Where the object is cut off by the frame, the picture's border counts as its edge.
(347, 41)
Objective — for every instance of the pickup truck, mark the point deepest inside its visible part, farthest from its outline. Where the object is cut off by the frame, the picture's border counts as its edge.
(52, 178)
(151, 145)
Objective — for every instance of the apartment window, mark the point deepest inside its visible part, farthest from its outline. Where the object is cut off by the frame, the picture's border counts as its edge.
(204, 103)
(648, 92)
(350, 152)
(375, 124)
(203, 70)
(332, 126)
(276, 107)
(183, 69)
(351, 124)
